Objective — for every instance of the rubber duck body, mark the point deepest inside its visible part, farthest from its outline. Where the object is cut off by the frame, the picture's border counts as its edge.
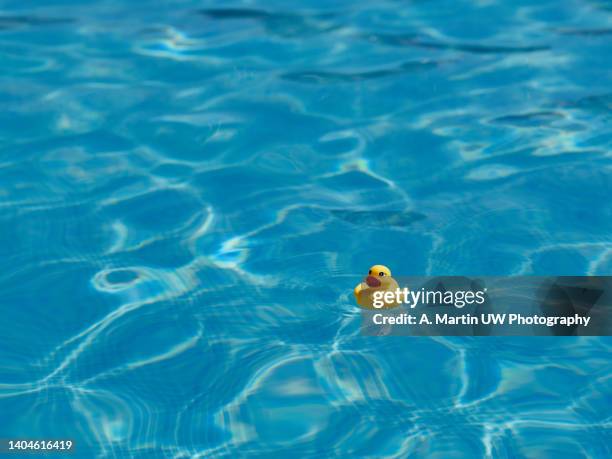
(378, 279)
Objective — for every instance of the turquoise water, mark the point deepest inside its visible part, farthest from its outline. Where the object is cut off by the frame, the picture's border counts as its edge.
(189, 192)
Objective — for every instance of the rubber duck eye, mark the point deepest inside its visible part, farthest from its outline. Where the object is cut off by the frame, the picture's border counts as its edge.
(381, 273)
(370, 271)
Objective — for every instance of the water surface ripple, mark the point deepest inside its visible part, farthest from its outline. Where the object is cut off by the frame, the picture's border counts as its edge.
(190, 190)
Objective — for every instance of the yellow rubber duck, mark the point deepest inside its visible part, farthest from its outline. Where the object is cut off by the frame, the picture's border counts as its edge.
(378, 278)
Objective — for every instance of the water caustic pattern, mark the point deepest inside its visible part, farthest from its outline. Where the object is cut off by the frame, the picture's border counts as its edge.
(189, 192)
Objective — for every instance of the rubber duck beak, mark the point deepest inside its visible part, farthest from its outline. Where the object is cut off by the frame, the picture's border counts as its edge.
(372, 281)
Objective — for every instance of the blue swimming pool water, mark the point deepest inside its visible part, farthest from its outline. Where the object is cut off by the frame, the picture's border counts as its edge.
(189, 191)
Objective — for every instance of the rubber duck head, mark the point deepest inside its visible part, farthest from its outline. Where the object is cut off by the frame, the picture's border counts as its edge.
(379, 276)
